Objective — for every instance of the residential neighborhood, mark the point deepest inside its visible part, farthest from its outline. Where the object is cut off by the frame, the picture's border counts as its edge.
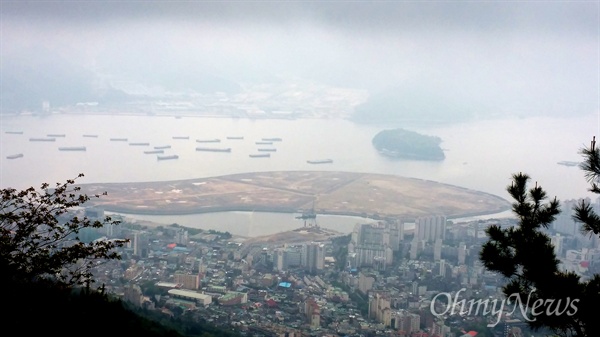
(383, 279)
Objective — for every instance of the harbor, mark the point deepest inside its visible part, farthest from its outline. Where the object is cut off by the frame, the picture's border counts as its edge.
(264, 149)
(299, 145)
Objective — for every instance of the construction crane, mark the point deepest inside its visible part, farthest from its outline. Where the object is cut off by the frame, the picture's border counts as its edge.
(309, 217)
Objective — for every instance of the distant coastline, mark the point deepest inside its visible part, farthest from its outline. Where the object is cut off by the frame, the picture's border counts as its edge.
(275, 209)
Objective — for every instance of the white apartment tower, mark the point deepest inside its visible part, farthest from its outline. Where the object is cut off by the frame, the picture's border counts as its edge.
(437, 250)
(375, 244)
(462, 253)
(314, 257)
(430, 228)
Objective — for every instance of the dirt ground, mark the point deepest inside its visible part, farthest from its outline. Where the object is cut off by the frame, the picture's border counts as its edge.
(344, 193)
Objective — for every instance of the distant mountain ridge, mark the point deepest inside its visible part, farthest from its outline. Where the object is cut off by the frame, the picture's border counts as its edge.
(411, 104)
(28, 81)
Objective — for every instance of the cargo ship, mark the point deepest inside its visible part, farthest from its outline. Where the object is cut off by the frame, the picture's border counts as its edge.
(14, 156)
(235, 137)
(118, 139)
(320, 161)
(267, 150)
(72, 148)
(14, 132)
(216, 140)
(42, 139)
(91, 136)
(260, 155)
(162, 147)
(181, 137)
(154, 151)
(139, 144)
(213, 149)
(56, 135)
(272, 139)
(568, 163)
(264, 143)
(172, 156)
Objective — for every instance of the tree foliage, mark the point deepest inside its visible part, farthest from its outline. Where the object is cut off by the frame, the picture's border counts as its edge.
(39, 235)
(559, 300)
(43, 309)
(44, 264)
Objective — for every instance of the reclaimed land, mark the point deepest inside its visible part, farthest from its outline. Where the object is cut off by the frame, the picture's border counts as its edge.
(342, 193)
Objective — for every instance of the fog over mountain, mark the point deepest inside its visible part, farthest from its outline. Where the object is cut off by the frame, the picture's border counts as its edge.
(473, 58)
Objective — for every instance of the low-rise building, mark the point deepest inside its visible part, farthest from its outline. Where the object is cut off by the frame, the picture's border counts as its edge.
(200, 298)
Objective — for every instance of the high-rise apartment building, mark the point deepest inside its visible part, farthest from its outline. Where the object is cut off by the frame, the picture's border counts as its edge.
(313, 257)
(430, 228)
(374, 244)
(462, 253)
(437, 250)
(287, 257)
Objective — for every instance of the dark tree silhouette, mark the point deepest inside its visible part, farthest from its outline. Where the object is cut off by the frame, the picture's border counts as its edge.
(558, 300)
(39, 236)
(46, 271)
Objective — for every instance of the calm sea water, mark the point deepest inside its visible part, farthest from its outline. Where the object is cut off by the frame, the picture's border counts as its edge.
(480, 155)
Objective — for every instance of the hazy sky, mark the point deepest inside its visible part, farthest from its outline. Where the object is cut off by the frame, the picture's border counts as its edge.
(517, 55)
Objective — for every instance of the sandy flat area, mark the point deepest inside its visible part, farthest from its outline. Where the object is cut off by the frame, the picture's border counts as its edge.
(343, 193)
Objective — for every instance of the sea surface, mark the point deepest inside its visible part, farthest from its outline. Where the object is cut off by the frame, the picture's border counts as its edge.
(480, 155)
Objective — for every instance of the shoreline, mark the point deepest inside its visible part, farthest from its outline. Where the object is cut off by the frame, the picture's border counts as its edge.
(225, 209)
(373, 196)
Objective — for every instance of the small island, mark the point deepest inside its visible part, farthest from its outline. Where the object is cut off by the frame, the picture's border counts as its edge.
(400, 143)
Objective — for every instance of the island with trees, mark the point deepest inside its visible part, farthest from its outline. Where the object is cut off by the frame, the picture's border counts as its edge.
(401, 143)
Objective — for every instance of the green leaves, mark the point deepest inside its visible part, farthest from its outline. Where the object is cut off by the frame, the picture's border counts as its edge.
(38, 235)
(525, 255)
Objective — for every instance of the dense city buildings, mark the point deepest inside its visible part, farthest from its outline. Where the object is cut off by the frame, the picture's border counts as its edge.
(383, 279)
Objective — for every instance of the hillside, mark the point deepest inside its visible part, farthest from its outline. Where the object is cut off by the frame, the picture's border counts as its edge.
(45, 309)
